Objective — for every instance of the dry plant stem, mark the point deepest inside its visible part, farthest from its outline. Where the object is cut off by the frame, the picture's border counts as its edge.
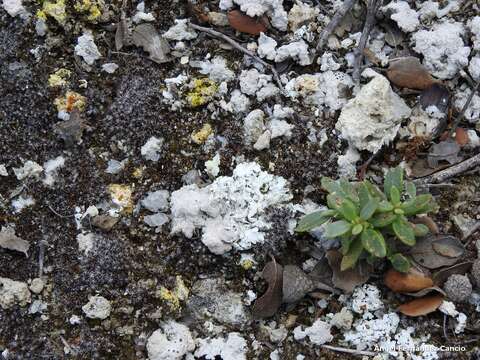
(349, 351)
(372, 8)
(237, 46)
(450, 172)
(464, 109)
(328, 30)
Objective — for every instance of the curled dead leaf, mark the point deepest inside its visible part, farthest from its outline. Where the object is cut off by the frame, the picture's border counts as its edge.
(408, 72)
(147, 37)
(246, 24)
(412, 281)
(428, 222)
(426, 291)
(426, 255)
(422, 306)
(436, 95)
(269, 303)
(442, 275)
(461, 136)
(347, 280)
(296, 284)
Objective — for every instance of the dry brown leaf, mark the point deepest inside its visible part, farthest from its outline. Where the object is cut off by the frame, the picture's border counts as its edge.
(349, 279)
(448, 246)
(426, 291)
(424, 253)
(104, 222)
(296, 284)
(412, 281)
(461, 136)
(442, 275)
(408, 72)
(121, 35)
(269, 303)
(422, 306)
(246, 24)
(10, 241)
(428, 222)
(147, 37)
(436, 95)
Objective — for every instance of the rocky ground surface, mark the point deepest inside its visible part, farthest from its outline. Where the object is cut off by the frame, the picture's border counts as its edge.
(149, 171)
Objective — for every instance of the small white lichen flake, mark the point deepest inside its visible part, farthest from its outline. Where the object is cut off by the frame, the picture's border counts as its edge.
(87, 49)
(171, 342)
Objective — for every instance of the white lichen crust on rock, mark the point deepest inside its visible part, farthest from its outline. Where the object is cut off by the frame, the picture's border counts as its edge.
(13, 292)
(373, 117)
(231, 210)
(171, 342)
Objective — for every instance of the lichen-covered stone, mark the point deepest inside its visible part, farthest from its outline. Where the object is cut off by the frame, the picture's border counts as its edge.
(458, 288)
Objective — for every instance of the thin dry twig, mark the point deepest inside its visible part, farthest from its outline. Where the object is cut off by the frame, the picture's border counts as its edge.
(239, 47)
(464, 109)
(442, 175)
(349, 351)
(339, 15)
(372, 9)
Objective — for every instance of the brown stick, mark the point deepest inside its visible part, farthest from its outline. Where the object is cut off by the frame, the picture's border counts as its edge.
(339, 15)
(451, 171)
(372, 8)
(237, 46)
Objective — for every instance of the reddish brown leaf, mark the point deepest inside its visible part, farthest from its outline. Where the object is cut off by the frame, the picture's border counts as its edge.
(461, 137)
(268, 304)
(408, 72)
(347, 280)
(422, 306)
(246, 24)
(412, 281)
(442, 275)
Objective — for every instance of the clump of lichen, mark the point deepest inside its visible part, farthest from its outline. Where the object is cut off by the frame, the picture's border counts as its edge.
(70, 101)
(202, 92)
(200, 136)
(59, 78)
(54, 9)
(93, 9)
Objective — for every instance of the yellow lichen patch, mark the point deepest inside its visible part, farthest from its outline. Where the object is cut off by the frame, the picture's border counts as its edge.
(202, 92)
(91, 7)
(70, 102)
(121, 196)
(138, 172)
(55, 9)
(202, 135)
(170, 298)
(181, 291)
(59, 78)
(247, 264)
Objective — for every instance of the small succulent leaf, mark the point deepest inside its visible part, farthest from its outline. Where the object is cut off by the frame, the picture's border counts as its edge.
(393, 177)
(375, 191)
(369, 209)
(334, 201)
(348, 210)
(420, 229)
(384, 206)
(374, 243)
(346, 240)
(394, 195)
(411, 189)
(417, 204)
(350, 259)
(348, 190)
(400, 263)
(314, 220)
(357, 229)
(331, 185)
(364, 195)
(382, 220)
(404, 231)
(337, 228)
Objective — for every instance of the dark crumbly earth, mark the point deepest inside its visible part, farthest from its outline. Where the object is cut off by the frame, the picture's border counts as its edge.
(131, 262)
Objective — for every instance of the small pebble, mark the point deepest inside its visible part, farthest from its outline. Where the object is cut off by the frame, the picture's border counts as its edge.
(37, 286)
(458, 288)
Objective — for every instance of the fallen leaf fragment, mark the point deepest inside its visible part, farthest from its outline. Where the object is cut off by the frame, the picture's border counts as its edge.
(347, 280)
(426, 255)
(147, 37)
(412, 281)
(121, 35)
(104, 222)
(426, 291)
(296, 284)
(10, 241)
(422, 306)
(444, 151)
(408, 72)
(461, 136)
(246, 24)
(269, 303)
(442, 275)
(71, 130)
(435, 95)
